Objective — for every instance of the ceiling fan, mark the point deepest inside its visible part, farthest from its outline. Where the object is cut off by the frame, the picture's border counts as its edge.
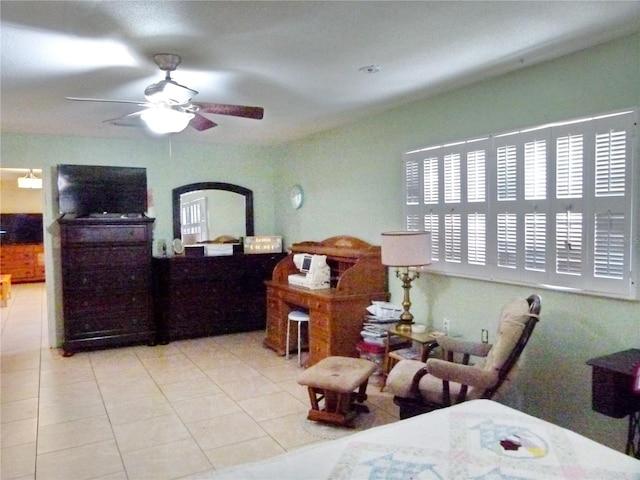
(168, 106)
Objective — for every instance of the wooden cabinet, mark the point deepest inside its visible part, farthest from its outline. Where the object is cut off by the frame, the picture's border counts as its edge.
(201, 296)
(106, 282)
(335, 314)
(25, 262)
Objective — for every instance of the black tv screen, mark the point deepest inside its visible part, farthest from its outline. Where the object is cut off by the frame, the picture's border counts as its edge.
(85, 190)
(21, 228)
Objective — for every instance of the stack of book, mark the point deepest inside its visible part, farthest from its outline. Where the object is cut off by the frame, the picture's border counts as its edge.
(381, 316)
(377, 334)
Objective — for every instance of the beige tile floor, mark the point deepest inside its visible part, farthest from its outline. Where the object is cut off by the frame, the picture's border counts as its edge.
(163, 412)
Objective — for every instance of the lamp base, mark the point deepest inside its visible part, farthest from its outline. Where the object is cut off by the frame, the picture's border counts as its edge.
(405, 322)
(406, 317)
(404, 326)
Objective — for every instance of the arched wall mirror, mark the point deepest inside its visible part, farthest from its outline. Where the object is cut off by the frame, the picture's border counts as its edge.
(207, 210)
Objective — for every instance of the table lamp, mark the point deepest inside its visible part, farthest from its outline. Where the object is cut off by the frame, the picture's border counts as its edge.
(406, 251)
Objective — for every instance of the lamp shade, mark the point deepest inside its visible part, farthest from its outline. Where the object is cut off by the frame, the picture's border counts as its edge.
(166, 120)
(406, 249)
(29, 181)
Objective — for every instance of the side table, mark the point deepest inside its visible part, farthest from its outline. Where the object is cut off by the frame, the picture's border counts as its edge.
(426, 340)
(612, 392)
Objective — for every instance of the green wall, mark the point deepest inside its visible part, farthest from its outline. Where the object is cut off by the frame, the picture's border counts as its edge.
(249, 166)
(353, 182)
(352, 178)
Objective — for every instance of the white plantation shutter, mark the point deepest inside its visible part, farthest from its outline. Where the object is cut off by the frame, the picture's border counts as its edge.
(452, 238)
(432, 224)
(476, 238)
(609, 250)
(507, 239)
(413, 222)
(412, 183)
(535, 170)
(506, 181)
(476, 181)
(535, 240)
(611, 163)
(569, 166)
(569, 243)
(431, 193)
(452, 178)
(549, 206)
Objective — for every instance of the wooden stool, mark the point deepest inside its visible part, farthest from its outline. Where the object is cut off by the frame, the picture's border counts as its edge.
(334, 379)
(5, 285)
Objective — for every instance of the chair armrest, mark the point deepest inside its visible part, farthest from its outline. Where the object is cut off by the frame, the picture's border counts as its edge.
(460, 346)
(402, 377)
(463, 374)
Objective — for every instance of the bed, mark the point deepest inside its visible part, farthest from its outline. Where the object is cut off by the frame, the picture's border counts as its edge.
(476, 439)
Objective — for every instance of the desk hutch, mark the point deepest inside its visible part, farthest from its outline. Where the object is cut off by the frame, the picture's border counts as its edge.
(336, 314)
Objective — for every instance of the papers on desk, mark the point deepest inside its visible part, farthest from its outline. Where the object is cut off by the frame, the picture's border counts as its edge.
(378, 335)
(381, 315)
(384, 311)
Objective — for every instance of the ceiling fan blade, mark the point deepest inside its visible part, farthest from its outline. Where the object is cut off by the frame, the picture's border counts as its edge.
(104, 100)
(201, 123)
(130, 120)
(233, 110)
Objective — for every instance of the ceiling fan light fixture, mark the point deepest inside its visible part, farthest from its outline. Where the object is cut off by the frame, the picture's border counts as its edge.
(29, 181)
(163, 120)
(168, 91)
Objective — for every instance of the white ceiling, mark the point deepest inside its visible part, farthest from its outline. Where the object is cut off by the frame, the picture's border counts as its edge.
(298, 60)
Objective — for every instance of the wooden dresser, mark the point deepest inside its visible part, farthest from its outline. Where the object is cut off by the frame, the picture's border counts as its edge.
(25, 262)
(106, 282)
(336, 313)
(201, 296)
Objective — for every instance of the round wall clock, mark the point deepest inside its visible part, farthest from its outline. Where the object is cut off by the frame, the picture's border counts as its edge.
(296, 196)
(178, 247)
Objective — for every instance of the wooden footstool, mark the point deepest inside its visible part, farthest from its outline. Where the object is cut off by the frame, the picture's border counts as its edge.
(335, 380)
(5, 288)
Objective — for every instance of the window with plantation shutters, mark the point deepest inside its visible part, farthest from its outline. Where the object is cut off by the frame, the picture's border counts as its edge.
(548, 206)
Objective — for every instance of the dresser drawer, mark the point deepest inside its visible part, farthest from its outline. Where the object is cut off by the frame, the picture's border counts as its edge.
(118, 322)
(18, 263)
(17, 255)
(107, 304)
(106, 257)
(105, 234)
(21, 273)
(209, 269)
(318, 350)
(98, 282)
(320, 325)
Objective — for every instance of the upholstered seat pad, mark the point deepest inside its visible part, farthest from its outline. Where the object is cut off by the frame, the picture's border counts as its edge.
(400, 378)
(338, 374)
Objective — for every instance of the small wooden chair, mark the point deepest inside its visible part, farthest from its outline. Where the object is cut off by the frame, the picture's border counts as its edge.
(334, 380)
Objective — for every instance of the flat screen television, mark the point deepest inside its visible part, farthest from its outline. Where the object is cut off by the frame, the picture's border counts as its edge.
(91, 190)
(18, 228)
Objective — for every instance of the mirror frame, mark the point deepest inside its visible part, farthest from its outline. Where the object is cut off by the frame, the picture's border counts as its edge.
(229, 187)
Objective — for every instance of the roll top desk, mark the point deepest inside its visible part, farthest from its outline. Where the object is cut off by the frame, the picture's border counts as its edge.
(336, 313)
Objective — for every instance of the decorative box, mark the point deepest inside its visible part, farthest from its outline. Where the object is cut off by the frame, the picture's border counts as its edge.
(262, 244)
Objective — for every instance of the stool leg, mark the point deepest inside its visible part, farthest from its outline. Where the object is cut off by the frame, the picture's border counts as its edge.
(287, 344)
(299, 344)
